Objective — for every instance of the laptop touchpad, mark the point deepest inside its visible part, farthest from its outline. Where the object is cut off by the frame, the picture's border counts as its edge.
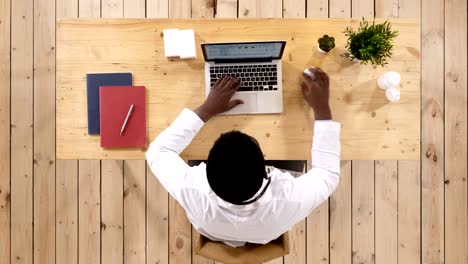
(250, 104)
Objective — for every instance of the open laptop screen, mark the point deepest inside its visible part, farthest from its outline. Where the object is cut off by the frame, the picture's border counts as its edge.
(243, 50)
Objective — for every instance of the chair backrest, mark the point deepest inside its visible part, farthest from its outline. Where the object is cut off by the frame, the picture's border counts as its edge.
(247, 254)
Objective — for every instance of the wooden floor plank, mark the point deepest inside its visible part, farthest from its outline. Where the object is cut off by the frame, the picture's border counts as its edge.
(362, 8)
(180, 231)
(409, 182)
(409, 209)
(66, 189)
(340, 218)
(196, 259)
(249, 8)
(134, 211)
(5, 18)
(89, 183)
(318, 235)
(339, 8)
(260, 8)
(386, 212)
(157, 8)
(271, 8)
(363, 212)
(22, 131)
(134, 8)
(203, 8)
(89, 8)
(112, 8)
(226, 9)
(44, 131)
(157, 220)
(180, 234)
(317, 8)
(433, 169)
(89, 212)
(409, 179)
(294, 9)
(297, 240)
(432, 131)
(180, 8)
(456, 159)
(112, 211)
(157, 198)
(67, 9)
(67, 212)
(409, 9)
(387, 8)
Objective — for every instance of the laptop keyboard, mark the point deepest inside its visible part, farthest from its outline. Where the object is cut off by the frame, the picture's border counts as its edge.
(253, 77)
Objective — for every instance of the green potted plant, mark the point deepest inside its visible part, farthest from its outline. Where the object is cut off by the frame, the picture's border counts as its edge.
(325, 44)
(370, 43)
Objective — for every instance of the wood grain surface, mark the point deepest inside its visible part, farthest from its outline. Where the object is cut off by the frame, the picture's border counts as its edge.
(372, 127)
(67, 212)
(5, 108)
(432, 133)
(363, 212)
(432, 198)
(89, 212)
(456, 161)
(112, 211)
(134, 211)
(66, 184)
(409, 212)
(386, 211)
(340, 218)
(21, 131)
(44, 131)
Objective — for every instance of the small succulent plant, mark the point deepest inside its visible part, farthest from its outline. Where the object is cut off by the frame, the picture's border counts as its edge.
(326, 43)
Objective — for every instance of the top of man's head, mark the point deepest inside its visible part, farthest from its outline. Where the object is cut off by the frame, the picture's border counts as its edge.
(235, 168)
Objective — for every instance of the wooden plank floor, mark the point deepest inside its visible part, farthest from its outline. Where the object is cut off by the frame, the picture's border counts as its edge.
(55, 211)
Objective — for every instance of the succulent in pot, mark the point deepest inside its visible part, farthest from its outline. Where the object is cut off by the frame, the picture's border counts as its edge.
(370, 43)
(325, 44)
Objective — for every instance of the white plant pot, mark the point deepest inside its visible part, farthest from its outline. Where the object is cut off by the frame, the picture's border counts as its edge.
(392, 94)
(388, 80)
(321, 50)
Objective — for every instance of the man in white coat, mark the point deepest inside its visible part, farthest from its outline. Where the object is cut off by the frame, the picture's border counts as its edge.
(234, 197)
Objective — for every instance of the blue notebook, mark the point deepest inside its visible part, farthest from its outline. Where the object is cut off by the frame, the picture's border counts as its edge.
(93, 82)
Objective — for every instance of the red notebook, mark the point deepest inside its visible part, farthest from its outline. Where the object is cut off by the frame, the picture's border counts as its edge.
(115, 102)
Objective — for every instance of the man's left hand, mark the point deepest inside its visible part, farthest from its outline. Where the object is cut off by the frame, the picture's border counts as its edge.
(219, 99)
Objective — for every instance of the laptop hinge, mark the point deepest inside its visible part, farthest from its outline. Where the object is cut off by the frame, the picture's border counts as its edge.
(243, 60)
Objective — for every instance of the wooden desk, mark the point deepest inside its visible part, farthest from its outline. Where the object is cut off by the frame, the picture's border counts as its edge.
(372, 128)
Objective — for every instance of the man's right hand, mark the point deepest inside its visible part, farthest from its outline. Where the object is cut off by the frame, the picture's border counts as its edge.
(316, 91)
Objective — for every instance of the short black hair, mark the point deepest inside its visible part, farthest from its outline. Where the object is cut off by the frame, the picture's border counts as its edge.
(235, 167)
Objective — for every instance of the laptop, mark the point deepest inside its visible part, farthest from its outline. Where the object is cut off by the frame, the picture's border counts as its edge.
(258, 67)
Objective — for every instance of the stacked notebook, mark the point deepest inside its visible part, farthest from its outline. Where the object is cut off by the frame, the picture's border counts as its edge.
(110, 111)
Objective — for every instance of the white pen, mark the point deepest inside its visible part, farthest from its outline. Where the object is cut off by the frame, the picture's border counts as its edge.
(129, 113)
